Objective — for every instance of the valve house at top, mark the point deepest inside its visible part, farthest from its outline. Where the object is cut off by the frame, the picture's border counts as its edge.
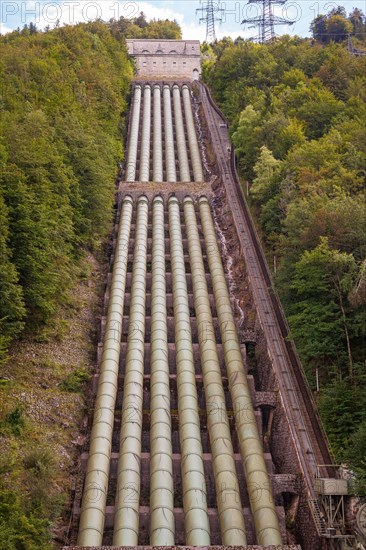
(180, 59)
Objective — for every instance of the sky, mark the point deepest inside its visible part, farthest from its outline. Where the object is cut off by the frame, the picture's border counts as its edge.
(16, 13)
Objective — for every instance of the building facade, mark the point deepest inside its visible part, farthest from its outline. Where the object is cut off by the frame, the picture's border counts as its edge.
(176, 59)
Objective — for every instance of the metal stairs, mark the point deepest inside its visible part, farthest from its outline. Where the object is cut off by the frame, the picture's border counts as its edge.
(319, 520)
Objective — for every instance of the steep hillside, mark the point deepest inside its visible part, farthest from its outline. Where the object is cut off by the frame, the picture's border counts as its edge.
(63, 95)
(297, 110)
(64, 100)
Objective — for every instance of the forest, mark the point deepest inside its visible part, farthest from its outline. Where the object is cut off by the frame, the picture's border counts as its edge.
(297, 111)
(64, 100)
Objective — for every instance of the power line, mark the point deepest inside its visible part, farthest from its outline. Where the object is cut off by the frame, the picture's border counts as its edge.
(211, 13)
(266, 21)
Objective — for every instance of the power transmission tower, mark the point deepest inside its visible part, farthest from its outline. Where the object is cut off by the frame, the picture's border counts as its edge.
(211, 13)
(351, 49)
(266, 21)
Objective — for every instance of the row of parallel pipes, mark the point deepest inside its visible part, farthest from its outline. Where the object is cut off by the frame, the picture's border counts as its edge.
(158, 141)
(162, 522)
(192, 136)
(145, 138)
(134, 135)
(223, 463)
(126, 517)
(182, 118)
(259, 488)
(92, 516)
(171, 172)
(126, 521)
(185, 176)
(197, 527)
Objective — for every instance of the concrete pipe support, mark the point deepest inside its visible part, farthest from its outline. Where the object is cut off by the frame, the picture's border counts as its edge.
(158, 146)
(258, 483)
(197, 527)
(223, 463)
(171, 174)
(126, 518)
(145, 139)
(97, 472)
(185, 176)
(192, 137)
(162, 523)
(134, 136)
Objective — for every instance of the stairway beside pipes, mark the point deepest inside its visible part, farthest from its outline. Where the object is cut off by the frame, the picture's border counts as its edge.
(149, 104)
(127, 509)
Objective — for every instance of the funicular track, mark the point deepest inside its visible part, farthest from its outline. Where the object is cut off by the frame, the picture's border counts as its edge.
(177, 453)
(296, 395)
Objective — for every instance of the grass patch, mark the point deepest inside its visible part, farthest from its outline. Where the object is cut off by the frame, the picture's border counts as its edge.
(55, 331)
(85, 270)
(75, 381)
(40, 462)
(40, 471)
(14, 421)
(25, 519)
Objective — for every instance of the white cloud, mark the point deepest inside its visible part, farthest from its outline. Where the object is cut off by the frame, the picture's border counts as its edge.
(4, 29)
(69, 12)
(234, 34)
(193, 31)
(154, 12)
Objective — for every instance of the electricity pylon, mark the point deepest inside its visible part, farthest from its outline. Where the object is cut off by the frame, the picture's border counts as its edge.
(211, 13)
(266, 21)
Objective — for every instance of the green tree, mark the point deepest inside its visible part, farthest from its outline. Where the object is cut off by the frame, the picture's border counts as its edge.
(11, 297)
(141, 21)
(356, 453)
(292, 134)
(342, 407)
(246, 139)
(338, 28)
(19, 529)
(265, 169)
(322, 280)
(318, 28)
(358, 20)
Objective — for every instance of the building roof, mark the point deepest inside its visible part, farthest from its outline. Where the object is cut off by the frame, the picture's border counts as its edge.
(139, 46)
